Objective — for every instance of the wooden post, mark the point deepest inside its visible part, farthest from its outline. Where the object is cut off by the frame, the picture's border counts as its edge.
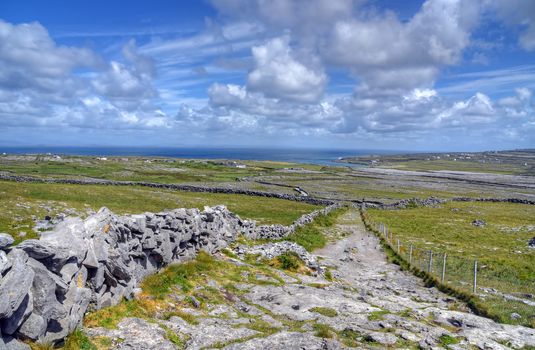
(443, 268)
(430, 267)
(410, 255)
(475, 277)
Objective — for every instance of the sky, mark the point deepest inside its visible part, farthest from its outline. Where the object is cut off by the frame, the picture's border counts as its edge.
(435, 75)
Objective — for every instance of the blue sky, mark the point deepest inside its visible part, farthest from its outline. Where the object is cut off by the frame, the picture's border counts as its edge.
(408, 75)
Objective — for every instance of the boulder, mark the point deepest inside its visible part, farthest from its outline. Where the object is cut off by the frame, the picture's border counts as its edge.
(531, 243)
(16, 283)
(5, 240)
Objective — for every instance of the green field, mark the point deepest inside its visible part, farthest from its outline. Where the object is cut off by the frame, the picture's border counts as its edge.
(162, 170)
(19, 201)
(500, 247)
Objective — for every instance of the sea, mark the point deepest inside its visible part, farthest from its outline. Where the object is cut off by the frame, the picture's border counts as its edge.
(297, 155)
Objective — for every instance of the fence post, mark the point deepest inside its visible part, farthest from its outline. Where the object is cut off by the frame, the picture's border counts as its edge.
(410, 255)
(475, 277)
(430, 267)
(443, 268)
(398, 245)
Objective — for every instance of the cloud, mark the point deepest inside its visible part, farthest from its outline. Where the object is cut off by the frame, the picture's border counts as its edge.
(47, 85)
(127, 85)
(278, 73)
(518, 13)
(30, 59)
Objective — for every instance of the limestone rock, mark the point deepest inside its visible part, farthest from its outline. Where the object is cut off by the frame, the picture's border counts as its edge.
(287, 341)
(5, 240)
(5, 264)
(15, 285)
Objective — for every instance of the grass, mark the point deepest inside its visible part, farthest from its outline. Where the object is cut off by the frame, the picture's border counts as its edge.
(324, 331)
(311, 236)
(495, 246)
(377, 315)
(19, 201)
(149, 169)
(446, 340)
(325, 311)
(505, 261)
(289, 261)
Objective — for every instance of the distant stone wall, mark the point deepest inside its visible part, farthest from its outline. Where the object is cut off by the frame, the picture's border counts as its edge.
(48, 284)
(188, 188)
(434, 201)
(280, 231)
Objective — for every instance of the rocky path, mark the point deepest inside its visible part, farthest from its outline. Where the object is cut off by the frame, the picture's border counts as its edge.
(370, 304)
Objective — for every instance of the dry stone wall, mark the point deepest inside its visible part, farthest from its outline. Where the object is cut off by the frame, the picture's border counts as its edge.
(188, 188)
(279, 231)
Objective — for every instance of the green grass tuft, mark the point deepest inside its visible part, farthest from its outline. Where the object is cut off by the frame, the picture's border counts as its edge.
(325, 311)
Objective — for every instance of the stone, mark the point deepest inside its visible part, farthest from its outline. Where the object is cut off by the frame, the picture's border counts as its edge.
(11, 324)
(531, 243)
(34, 327)
(287, 340)
(479, 223)
(515, 316)
(45, 285)
(11, 343)
(5, 264)
(136, 334)
(195, 302)
(15, 285)
(5, 240)
(69, 270)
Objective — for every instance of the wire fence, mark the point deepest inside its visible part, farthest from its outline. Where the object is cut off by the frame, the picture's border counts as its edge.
(484, 278)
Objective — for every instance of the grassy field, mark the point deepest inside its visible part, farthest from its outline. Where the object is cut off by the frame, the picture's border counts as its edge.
(500, 247)
(19, 201)
(163, 170)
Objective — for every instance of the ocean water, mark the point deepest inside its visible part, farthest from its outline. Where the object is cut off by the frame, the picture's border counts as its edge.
(307, 156)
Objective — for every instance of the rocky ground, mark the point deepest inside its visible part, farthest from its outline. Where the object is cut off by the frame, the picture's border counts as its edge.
(368, 303)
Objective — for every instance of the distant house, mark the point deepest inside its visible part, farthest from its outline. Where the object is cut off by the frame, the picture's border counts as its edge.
(102, 158)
